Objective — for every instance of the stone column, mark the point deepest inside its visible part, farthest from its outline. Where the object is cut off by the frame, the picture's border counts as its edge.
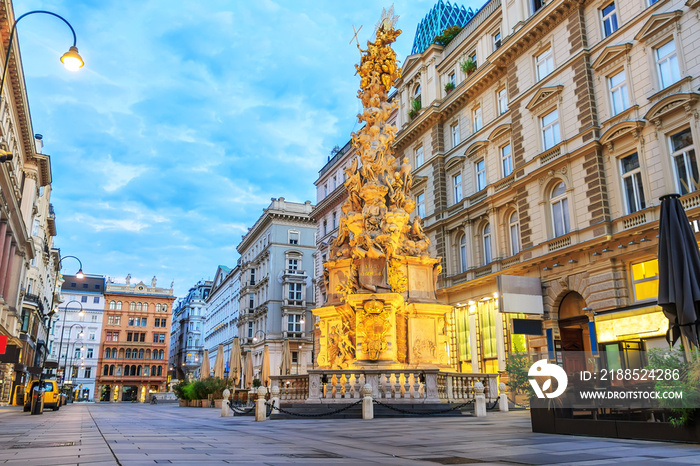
(225, 410)
(275, 399)
(502, 398)
(5, 263)
(479, 400)
(260, 414)
(367, 403)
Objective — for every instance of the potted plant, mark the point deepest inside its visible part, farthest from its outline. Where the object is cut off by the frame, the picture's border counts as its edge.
(468, 66)
(447, 35)
(179, 391)
(449, 87)
(415, 109)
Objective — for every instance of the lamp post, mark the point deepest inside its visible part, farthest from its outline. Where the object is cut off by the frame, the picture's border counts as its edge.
(255, 336)
(71, 59)
(65, 368)
(65, 359)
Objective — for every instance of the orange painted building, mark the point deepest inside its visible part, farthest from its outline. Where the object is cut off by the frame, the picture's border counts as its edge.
(135, 339)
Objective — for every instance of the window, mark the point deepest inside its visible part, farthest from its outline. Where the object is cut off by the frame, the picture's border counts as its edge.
(619, 98)
(560, 210)
(480, 167)
(252, 276)
(502, 97)
(463, 253)
(157, 307)
(684, 162)
(165, 308)
(132, 306)
(251, 301)
(452, 79)
(128, 353)
(250, 330)
(550, 130)
(478, 122)
(335, 181)
(514, 227)
(143, 337)
(486, 236)
(294, 323)
(83, 299)
(114, 320)
(454, 131)
(77, 353)
(129, 336)
(506, 160)
(632, 183)
(96, 300)
(609, 17)
(108, 353)
(325, 227)
(92, 335)
(420, 205)
(293, 237)
(335, 220)
(667, 64)
(293, 265)
(295, 290)
(473, 58)
(139, 306)
(85, 285)
(419, 156)
(416, 96)
(457, 187)
(645, 280)
(119, 305)
(544, 64)
(112, 305)
(536, 5)
(496, 40)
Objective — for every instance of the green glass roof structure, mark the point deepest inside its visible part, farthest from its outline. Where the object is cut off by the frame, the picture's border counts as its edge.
(440, 17)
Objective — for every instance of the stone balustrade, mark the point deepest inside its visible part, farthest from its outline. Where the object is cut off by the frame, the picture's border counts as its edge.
(388, 385)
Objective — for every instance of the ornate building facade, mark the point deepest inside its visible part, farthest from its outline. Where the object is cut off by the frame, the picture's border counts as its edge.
(25, 178)
(544, 137)
(222, 313)
(276, 285)
(135, 341)
(187, 334)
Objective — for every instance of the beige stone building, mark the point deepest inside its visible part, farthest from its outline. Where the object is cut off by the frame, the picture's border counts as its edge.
(547, 161)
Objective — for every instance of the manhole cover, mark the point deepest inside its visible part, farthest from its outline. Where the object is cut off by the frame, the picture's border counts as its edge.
(19, 446)
(451, 460)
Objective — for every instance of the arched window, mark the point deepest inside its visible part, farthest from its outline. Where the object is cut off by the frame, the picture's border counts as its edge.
(112, 305)
(148, 354)
(560, 210)
(108, 353)
(486, 237)
(416, 95)
(119, 370)
(463, 253)
(160, 354)
(141, 353)
(132, 306)
(514, 229)
(146, 371)
(189, 341)
(139, 306)
(119, 305)
(128, 353)
(160, 371)
(121, 353)
(138, 370)
(105, 370)
(111, 369)
(145, 307)
(164, 308)
(114, 353)
(157, 307)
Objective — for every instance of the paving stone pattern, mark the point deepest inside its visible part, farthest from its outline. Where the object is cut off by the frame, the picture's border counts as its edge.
(136, 434)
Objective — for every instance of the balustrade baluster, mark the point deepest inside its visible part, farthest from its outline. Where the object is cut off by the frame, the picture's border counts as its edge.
(338, 386)
(397, 385)
(406, 386)
(356, 386)
(416, 386)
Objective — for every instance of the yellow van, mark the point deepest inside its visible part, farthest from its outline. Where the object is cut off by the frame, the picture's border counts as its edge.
(51, 396)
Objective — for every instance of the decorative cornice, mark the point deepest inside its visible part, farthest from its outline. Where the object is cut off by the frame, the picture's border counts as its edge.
(671, 104)
(611, 54)
(658, 23)
(544, 96)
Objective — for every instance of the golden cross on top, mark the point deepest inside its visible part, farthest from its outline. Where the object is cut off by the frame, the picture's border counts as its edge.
(355, 36)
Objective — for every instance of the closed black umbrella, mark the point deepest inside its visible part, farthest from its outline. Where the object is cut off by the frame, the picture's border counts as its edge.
(679, 272)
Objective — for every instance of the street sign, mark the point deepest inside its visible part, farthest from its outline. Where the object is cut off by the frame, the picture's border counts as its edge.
(3, 343)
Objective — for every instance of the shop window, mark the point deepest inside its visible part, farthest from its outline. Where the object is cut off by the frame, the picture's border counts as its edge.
(645, 280)
(463, 340)
(487, 314)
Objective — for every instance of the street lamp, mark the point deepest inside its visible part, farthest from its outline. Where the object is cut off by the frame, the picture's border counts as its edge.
(65, 359)
(63, 327)
(71, 59)
(255, 336)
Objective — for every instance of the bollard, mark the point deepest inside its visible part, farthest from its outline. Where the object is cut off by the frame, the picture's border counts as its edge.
(367, 404)
(502, 398)
(479, 400)
(275, 399)
(260, 414)
(225, 409)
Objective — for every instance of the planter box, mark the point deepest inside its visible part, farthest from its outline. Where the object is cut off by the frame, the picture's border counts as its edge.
(218, 403)
(183, 403)
(205, 403)
(194, 403)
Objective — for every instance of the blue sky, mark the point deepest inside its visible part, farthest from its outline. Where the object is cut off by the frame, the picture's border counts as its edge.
(187, 118)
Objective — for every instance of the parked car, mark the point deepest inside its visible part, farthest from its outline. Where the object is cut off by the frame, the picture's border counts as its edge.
(51, 395)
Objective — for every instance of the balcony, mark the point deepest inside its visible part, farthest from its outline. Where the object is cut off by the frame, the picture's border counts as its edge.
(294, 303)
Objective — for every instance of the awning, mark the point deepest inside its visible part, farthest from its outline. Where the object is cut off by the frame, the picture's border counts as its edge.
(635, 324)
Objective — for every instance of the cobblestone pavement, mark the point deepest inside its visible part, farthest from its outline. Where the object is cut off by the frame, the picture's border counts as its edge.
(136, 434)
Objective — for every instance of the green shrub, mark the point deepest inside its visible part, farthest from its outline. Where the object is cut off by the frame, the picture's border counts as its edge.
(468, 65)
(416, 105)
(216, 386)
(257, 383)
(688, 383)
(188, 391)
(179, 390)
(517, 366)
(449, 86)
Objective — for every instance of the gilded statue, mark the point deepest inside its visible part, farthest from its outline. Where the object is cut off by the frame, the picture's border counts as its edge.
(375, 223)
